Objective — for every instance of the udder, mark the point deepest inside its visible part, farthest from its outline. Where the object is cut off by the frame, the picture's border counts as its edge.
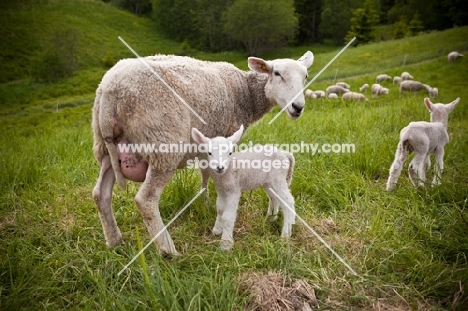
(132, 166)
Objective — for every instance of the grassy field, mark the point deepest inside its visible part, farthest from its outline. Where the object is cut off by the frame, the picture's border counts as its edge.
(408, 247)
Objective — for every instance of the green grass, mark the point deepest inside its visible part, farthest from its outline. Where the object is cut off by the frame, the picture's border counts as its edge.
(408, 247)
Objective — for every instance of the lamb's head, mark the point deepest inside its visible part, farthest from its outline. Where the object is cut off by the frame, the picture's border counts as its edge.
(286, 81)
(440, 112)
(219, 149)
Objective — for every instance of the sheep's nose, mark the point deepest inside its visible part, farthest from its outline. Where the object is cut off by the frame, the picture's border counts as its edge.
(297, 109)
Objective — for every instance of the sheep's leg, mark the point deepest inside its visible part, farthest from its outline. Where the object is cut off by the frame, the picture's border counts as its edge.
(228, 220)
(147, 200)
(205, 174)
(289, 214)
(416, 170)
(427, 163)
(220, 206)
(273, 207)
(438, 167)
(102, 195)
(395, 169)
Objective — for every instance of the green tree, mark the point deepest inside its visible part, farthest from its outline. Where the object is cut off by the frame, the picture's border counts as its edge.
(262, 24)
(335, 21)
(309, 18)
(363, 23)
(400, 28)
(415, 25)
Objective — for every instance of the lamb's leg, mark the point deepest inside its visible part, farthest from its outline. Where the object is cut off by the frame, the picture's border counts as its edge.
(205, 179)
(395, 169)
(427, 163)
(228, 220)
(220, 206)
(289, 215)
(416, 170)
(273, 207)
(438, 167)
(147, 200)
(102, 195)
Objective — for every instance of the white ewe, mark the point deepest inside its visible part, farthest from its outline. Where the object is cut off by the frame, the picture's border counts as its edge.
(309, 94)
(234, 172)
(433, 92)
(343, 84)
(383, 77)
(424, 138)
(411, 85)
(378, 90)
(332, 95)
(397, 80)
(134, 106)
(364, 88)
(406, 76)
(336, 89)
(319, 94)
(354, 96)
(452, 56)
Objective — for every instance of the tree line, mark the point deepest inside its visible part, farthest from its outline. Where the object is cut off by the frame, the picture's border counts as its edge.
(260, 25)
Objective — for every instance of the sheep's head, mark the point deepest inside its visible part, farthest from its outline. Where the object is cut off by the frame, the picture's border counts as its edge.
(440, 112)
(219, 149)
(286, 81)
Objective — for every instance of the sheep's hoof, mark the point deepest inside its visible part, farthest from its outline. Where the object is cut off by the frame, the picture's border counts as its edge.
(391, 187)
(217, 231)
(272, 218)
(115, 240)
(226, 245)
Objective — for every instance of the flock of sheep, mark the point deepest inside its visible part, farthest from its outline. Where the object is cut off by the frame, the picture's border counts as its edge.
(135, 105)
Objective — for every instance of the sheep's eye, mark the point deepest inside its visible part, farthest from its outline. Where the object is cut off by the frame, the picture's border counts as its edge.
(277, 74)
(230, 153)
(209, 153)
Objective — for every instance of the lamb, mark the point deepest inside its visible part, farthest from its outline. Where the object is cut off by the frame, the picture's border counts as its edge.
(433, 92)
(319, 94)
(343, 84)
(424, 138)
(332, 95)
(412, 85)
(378, 90)
(397, 80)
(406, 76)
(336, 89)
(364, 88)
(452, 56)
(310, 94)
(133, 106)
(234, 172)
(382, 77)
(354, 96)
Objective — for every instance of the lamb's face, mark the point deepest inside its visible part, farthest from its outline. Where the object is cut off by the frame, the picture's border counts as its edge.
(220, 151)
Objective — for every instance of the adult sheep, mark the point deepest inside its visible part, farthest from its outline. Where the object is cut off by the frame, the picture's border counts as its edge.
(134, 106)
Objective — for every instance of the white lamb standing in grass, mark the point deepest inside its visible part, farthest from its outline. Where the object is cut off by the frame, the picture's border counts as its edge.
(412, 85)
(134, 106)
(343, 84)
(336, 89)
(234, 172)
(406, 76)
(354, 96)
(397, 80)
(364, 88)
(423, 138)
(452, 56)
(383, 77)
(378, 90)
(309, 94)
(319, 94)
(433, 92)
(332, 95)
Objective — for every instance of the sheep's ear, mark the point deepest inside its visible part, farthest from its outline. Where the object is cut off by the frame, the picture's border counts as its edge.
(428, 104)
(307, 59)
(452, 105)
(237, 135)
(259, 65)
(199, 137)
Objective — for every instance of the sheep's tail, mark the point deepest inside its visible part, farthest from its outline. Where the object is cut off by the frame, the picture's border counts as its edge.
(292, 161)
(404, 147)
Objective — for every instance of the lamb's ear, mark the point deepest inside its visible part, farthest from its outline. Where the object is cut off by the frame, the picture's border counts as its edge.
(234, 138)
(428, 104)
(199, 137)
(307, 59)
(259, 65)
(452, 105)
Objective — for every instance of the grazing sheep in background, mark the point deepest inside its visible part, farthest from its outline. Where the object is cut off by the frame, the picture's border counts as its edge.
(452, 56)
(378, 90)
(332, 95)
(397, 80)
(310, 94)
(406, 76)
(343, 84)
(364, 88)
(424, 138)
(336, 89)
(354, 96)
(319, 94)
(433, 92)
(382, 77)
(412, 85)
(133, 106)
(234, 172)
